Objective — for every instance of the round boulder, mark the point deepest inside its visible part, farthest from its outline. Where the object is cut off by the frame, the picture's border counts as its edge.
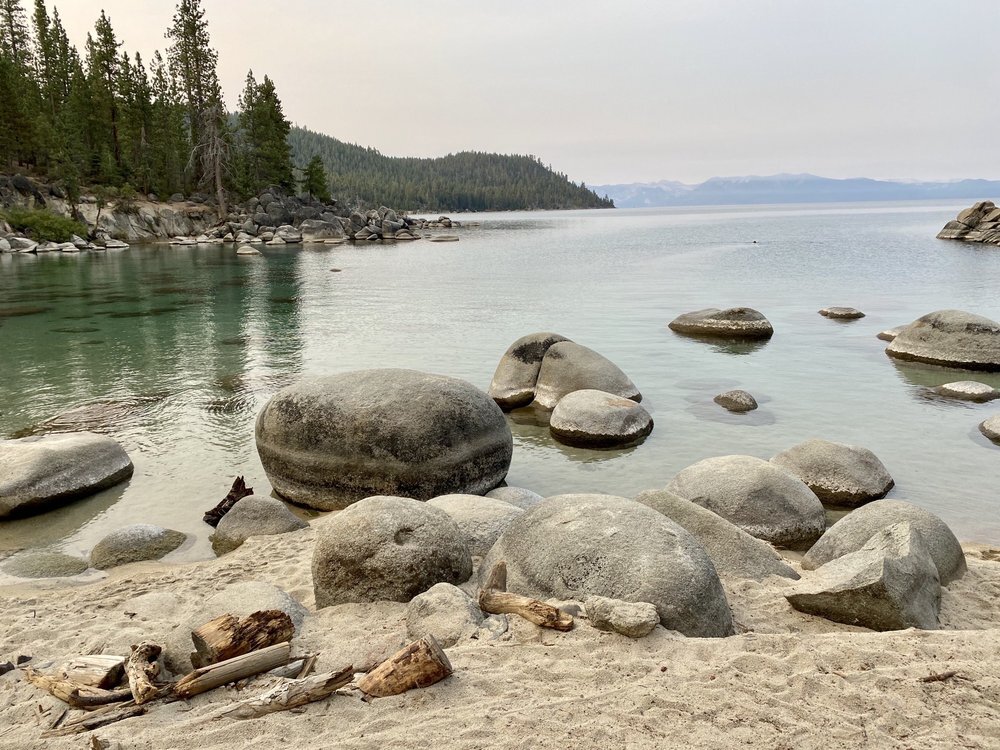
(598, 419)
(386, 548)
(141, 541)
(513, 382)
(254, 515)
(734, 322)
(763, 500)
(444, 611)
(44, 471)
(569, 367)
(838, 473)
(736, 401)
(330, 441)
(43, 564)
(516, 496)
(853, 531)
(968, 390)
(247, 250)
(481, 519)
(991, 427)
(841, 313)
(952, 338)
(579, 546)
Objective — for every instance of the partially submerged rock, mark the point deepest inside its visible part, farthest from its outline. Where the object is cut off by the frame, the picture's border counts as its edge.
(889, 334)
(481, 519)
(513, 382)
(43, 564)
(141, 541)
(991, 427)
(736, 401)
(734, 322)
(598, 419)
(841, 313)
(254, 515)
(568, 367)
(247, 250)
(968, 390)
(632, 619)
(980, 223)
(839, 474)
(952, 338)
(444, 611)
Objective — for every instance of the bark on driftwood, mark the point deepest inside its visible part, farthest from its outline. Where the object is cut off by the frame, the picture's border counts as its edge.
(231, 670)
(100, 718)
(141, 669)
(226, 636)
(289, 695)
(496, 600)
(78, 696)
(420, 664)
(96, 670)
(237, 493)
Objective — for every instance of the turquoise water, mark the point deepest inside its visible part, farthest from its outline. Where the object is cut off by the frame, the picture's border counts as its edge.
(173, 351)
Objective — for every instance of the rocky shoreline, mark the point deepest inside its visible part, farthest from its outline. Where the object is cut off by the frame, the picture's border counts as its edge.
(979, 223)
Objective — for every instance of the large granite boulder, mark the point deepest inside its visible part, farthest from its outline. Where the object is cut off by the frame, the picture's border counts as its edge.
(891, 583)
(569, 367)
(129, 544)
(481, 519)
(44, 471)
(763, 500)
(519, 497)
(327, 442)
(598, 419)
(254, 515)
(734, 322)
(951, 338)
(513, 382)
(733, 551)
(853, 531)
(317, 230)
(444, 611)
(578, 546)
(386, 548)
(838, 473)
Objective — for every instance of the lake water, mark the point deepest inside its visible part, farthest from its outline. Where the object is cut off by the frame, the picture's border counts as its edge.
(173, 350)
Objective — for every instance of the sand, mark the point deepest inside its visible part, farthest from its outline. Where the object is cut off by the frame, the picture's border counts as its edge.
(786, 680)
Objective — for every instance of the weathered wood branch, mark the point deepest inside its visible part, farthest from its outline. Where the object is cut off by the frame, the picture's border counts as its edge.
(141, 669)
(238, 492)
(78, 696)
(226, 636)
(231, 670)
(98, 719)
(95, 670)
(289, 695)
(420, 664)
(496, 600)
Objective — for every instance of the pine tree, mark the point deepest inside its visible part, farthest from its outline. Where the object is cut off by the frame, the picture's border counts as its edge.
(314, 180)
(265, 157)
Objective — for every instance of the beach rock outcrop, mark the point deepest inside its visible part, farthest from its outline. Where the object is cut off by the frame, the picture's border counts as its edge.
(991, 427)
(838, 473)
(979, 223)
(763, 500)
(891, 583)
(968, 390)
(733, 551)
(736, 401)
(254, 515)
(734, 322)
(514, 380)
(41, 563)
(579, 546)
(951, 338)
(129, 544)
(598, 419)
(44, 471)
(632, 619)
(519, 497)
(444, 611)
(568, 367)
(327, 442)
(853, 531)
(841, 313)
(481, 519)
(386, 548)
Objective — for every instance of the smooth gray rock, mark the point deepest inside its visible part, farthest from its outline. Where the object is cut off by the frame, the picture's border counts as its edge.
(45, 471)
(330, 441)
(568, 367)
(288, 233)
(578, 546)
(516, 496)
(737, 401)
(514, 380)
(481, 519)
(5, 245)
(891, 583)
(952, 338)
(734, 322)
(763, 500)
(387, 548)
(141, 541)
(841, 313)
(632, 619)
(596, 419)
(733, 551)
(968, 390)
(991, 427)
(317, 230)
(22, 244)
(853, 531)
(43, 564)
(254, 515)
(247, 250)
(444, 611)
(838, 473)
(889, 334)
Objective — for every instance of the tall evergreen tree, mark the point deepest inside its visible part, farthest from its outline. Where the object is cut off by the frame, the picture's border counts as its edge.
(315, 181)
(265, 157)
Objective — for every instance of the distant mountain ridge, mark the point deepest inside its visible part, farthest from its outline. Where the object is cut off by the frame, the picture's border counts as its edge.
(790, 188)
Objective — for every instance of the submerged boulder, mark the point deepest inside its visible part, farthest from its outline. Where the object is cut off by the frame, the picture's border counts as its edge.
(734, 322)
(481, 519)
(838, 473)
(568, 367)
(736, 401)
(254, 515)
(41, 563)
(141, 541)
(597, 419)
(327, 442)
(952, 338)
(763, 500)
(841, 313)
(991, 427)
(45, 471)
(968, 390)
(513, 382)
(579, 546)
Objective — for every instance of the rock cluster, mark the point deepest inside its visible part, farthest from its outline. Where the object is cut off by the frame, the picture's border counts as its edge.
(980, 223)
(951, 338)
(382, 224)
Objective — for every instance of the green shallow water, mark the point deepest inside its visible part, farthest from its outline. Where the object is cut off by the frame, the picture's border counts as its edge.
(173, 350)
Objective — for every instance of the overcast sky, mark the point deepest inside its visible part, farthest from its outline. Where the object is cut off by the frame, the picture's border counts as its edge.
(622, 91)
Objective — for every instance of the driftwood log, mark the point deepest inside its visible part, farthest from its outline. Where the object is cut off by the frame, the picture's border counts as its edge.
(238, 492)
(78, 696)
(226, 636)
(289, 695)
(96, 670)
(496, 600)
(100, 718)
(141, 669)
(212, 676)
(420, 664)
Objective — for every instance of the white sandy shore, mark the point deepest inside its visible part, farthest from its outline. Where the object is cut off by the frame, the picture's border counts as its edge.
(786, 681)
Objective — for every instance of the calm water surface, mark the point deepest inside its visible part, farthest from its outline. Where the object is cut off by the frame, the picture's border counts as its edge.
(173, 351)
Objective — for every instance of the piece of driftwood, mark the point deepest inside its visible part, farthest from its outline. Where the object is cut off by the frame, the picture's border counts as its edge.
(227, 636)
(78, 696)
(97, 719)
(231, 670)
(237, 493)
(288, 695)
(95, 670)
(496, 600)
(420, 664)
(141, 668)
(943, 676)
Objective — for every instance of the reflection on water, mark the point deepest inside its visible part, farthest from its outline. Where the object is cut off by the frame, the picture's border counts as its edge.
(723, 345)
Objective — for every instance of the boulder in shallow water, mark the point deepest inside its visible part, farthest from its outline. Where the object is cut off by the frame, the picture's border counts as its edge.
(254, 515)
(841, 313)
(889, 334)
(578, 546)
(968, 390)
(595, 419)
(734, 322)
(736, 401)
(43, 564)
(838, 473)
(632, 619)
(481, 519)
(952, 338)
(991, 427)
(247, 250)
(141, 541)
(514, 380)
(46, 471)
(763, 500)
(444, 611)
(568, 367)
(327, 442)
(516, 496)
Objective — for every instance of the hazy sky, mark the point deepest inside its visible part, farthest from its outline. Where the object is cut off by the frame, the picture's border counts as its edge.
(622, 91)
